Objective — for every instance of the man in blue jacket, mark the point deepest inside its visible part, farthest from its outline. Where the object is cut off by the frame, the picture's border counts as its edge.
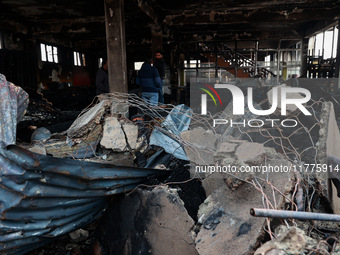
(149, 80)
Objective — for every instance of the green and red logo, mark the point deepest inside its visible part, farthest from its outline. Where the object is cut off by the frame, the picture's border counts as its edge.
(210, 94)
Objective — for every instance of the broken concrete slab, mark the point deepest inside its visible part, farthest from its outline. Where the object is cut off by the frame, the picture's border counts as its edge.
(292, 241)
(238, 155)
(251, 153)
(202, 145)
(131, 132)
(117, 135)
(148, 222)
(235, 232)
(119, 106)
(169, 231)
(213, 182)
(226, 148)
(226, 157)
(272, 154)
(244, 151)
(119, 103)
(88, 120)
(236, 178)
(328, 144)
(113, 135)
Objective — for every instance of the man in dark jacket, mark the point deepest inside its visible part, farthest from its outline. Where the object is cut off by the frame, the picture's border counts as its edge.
(159, 64)
(102, 79)
(150, 82)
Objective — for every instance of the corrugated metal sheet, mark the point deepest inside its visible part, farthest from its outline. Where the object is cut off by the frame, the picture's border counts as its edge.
(13, 103)
(42, 197)
(176, 122)
(85, 149)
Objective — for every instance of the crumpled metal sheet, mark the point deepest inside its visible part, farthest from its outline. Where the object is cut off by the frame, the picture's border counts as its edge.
(86, 148)
(42, 197)
(13, 103)
(177, 121)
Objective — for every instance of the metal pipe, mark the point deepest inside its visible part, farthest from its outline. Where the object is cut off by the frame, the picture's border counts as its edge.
(216, 60)
(323, 44)
(256, 55)
(235, 57)
(272, 49)
(278, 68)
(332, 42)
(271, 213)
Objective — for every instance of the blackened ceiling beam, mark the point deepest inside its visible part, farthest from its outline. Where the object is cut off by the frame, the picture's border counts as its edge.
(10, 24)
(88, 25)
(213, 33)
(254, 17)
(148, 10)
(196, 6)
(248, 20)
(82, 22)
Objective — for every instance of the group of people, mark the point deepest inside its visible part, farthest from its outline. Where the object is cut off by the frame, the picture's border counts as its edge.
(150, 78)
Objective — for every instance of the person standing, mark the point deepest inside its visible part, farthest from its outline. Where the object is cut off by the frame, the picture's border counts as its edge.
(150, 82)
(102, 79)
(159, 64)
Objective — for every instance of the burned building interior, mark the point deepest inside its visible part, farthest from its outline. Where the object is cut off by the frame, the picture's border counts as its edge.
(52, 51)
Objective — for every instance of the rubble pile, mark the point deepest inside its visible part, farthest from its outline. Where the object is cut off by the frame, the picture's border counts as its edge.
(42, 113)
(202, 203)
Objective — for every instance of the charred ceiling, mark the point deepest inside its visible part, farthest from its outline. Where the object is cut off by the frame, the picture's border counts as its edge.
(83, 22)
(249, 19)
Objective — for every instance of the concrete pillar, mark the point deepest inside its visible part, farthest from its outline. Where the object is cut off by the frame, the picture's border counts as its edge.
(156, 35)
(216, 60)
(174, 72)
(173, 66)
(181, 70)
(116, 48)
(337, 64)
(278, 67)
(304, 55)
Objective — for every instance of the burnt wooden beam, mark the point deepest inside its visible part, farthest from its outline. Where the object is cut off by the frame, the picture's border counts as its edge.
(9, 24)
(216, 33)
(157, 38)
(148, 10)
(70, 26)
(252, 17)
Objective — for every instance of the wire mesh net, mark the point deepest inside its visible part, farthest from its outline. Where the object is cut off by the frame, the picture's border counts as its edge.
(299, 145)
